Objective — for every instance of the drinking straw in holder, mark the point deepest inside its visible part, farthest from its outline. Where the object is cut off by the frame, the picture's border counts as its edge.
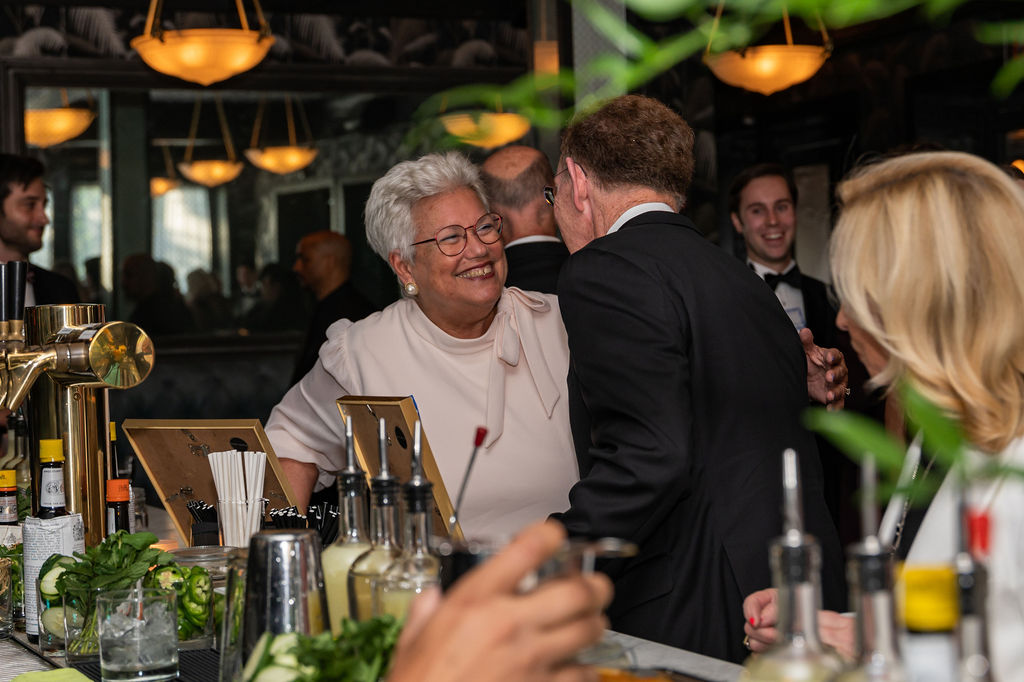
(239, 478)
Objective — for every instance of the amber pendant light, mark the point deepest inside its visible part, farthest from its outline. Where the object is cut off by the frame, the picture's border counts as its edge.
(49, 127)
(203, 55)
(210, 172)
(160, 186)
(768, 68)
(285, 158)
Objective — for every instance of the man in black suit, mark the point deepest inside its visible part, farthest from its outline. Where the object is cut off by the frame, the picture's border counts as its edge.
(762, 206)
(514, 178)
(323, 264)
(22, 221)
(686, 383)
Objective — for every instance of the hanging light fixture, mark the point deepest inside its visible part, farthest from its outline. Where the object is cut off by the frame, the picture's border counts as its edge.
(203, 55)
(486, 129)
(49, 127)
(212, 172)
(768, 68)
(281, 159)
(160, 186)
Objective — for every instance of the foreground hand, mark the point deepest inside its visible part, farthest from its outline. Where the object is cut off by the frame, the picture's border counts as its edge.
(762, 614)
(483, 630)
(826, 372)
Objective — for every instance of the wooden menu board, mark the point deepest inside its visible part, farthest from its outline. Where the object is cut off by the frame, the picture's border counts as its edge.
(174, 455)
(400, 415)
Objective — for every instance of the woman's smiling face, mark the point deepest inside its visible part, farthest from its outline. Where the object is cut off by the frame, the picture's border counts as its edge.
(457, 293)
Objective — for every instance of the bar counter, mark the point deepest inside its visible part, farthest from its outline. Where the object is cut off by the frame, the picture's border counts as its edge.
(17, 657)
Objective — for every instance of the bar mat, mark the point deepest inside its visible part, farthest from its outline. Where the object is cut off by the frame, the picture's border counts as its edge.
(194, 665)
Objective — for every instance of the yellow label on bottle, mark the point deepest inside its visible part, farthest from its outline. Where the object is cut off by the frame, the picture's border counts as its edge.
(927, 597)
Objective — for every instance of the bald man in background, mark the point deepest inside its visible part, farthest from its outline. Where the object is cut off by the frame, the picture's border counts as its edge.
(323, 263)
(514, 178)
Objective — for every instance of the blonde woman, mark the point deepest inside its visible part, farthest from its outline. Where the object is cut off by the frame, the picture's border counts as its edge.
(928, 259)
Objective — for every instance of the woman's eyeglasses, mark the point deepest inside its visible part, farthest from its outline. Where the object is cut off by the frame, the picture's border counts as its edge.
(452, 240)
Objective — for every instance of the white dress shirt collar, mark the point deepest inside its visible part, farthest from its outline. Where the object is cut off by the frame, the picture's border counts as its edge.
(532, 238)
(639, 209)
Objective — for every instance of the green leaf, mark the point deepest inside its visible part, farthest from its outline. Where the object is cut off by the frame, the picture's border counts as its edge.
(1008, 77)
(139, 541)
(943, 437)
(857, 436)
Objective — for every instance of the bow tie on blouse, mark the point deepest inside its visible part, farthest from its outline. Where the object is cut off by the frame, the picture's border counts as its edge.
(792, 277)
(516, 337)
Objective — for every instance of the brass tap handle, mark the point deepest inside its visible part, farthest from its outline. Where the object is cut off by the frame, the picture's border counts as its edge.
(117, 354)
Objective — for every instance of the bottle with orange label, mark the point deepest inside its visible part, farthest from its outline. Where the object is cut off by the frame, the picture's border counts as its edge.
(119, 510)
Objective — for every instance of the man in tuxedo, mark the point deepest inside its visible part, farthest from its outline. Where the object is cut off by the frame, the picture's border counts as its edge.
(762, 206)
(514, 178)
(22, 221)
(686, 383)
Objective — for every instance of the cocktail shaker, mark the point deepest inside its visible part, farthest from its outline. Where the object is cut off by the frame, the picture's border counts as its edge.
(284, 586)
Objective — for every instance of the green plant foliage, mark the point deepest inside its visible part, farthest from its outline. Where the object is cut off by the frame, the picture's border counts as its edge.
(638, 59)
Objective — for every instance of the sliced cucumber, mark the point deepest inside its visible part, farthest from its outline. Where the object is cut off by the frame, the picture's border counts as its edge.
(259, 652)
(283, 643)
(287, 661)
(276, 673)
(48, 582)
(52, 620)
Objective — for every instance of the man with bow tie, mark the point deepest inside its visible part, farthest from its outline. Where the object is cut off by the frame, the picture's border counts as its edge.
(762, 205)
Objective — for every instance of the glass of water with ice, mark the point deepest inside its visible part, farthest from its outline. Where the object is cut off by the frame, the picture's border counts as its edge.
(138, 633)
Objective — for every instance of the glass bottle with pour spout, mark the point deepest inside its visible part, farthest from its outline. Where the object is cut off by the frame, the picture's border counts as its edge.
(878, 652)
(417, 568)
(870, 573)
(384, 550)
(353, 539)
(799, 654)
(971, 564)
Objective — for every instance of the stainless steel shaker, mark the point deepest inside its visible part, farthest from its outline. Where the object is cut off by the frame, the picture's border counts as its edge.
(284, 586)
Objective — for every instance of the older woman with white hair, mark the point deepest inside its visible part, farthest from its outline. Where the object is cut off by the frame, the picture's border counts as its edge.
(927, 257)
(470, 352)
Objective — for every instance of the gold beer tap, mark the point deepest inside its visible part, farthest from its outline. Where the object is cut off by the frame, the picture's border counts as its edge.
(63, 358)
(98, 355)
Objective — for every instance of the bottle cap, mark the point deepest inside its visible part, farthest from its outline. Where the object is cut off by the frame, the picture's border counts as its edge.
(929, 598)
(51, 450)
(113, 431)
(118, 489)
(8, 478)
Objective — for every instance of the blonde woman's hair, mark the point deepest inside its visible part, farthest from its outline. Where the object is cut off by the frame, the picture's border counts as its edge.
(928, 258)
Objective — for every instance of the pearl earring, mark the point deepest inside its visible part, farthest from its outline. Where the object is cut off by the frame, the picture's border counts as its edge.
(411, 289)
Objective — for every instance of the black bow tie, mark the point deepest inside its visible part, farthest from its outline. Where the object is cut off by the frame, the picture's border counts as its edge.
(792, 278)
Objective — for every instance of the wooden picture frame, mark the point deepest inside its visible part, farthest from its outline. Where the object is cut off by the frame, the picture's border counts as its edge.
(174, 454)
(400, 415)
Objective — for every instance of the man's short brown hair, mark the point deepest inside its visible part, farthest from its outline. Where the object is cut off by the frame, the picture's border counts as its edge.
(633, 141)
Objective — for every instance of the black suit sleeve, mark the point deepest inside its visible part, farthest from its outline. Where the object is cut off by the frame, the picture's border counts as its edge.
(631, 368)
